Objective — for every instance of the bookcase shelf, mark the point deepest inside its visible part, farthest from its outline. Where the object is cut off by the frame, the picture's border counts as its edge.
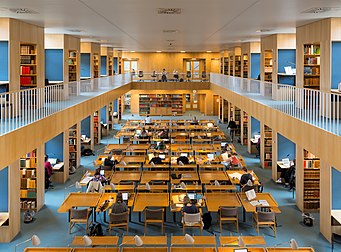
(238, 66)
(245, 66)
(73, 153)
(110, 66)
(28, 181)
(72, 61)
(161, 104)
(96, 65)
(244, 138)
(96, 128)
(237, 118)
(267, 146)
(268, 65)
(311, 180)
(311, 76)
(231, 65)
(28, 66)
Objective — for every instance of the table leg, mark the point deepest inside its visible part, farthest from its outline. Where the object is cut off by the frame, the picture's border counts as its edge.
(244, 214)
(140, 217)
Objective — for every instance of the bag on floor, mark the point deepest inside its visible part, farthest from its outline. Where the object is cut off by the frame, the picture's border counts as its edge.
(87, 152)
(29, 216)
(207, 220)
(96, 230)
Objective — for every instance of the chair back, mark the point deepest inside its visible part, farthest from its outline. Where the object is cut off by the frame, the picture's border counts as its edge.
(203, 75)
(119, 217)
(154, 214)
(106, 168)
(140, 74)
(192, 218)
(153, 74)
(188, 74)
(78, 213)
(228, 211)
(246, 188)
(95, 186)
(266, 216)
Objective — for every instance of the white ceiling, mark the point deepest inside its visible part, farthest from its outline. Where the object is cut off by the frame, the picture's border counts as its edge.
(203, 24)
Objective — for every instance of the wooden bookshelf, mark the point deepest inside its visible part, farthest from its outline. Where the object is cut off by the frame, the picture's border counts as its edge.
(97, 128)
(72, 61)
(96, 65)
(110, 115)
(73, 154)
(161, 104)
(311, 190)
(222, 65)
(311, 77)
(267, 147)
(238, 66)
(28, 181)
(237, 119)
(226, 66)
(231, 65)
(268, 65)
(28, 66)
(245, 125)
(110, 66)
(245, 65)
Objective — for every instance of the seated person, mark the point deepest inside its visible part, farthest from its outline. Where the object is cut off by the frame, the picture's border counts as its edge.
(99, 177)
(144, 133)
(226, 159)
(183, 159)
(94, 186)
(189, 206)
(245, 177)
(234, 160)
(148, 120)
(109, 162)
(119, 206)
(161, 146)
(156, 159)
(164, 134)
(195, 121)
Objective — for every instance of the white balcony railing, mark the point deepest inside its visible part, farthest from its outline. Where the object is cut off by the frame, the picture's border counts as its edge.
(321, 109)
(23, 107)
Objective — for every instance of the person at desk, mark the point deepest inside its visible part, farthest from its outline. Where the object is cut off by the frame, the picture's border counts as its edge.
(195, 121)
(231, 126)
(156, 159)
(144, 133)
(287, 175)
(148, 120)
(245, 177)
(189, 206)
(48, 173)
(226, 159)
(164, 75)
(182, 159)
(164, 134)
(176, 75)
(109, 161)
(99, 177)
(119, 206)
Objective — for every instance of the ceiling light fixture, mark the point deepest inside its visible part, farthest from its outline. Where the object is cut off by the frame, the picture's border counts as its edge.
(318, 10)
(182, 51)
(169, 11)
(158, 51)
(263, 30)
(23, 11)
(208, 51)
(132, 51)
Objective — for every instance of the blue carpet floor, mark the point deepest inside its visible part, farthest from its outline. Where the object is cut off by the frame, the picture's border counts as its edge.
(52, 227)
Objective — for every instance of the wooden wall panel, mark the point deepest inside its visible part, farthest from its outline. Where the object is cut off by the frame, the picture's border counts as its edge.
(248, 48)
(72, 43)
(326, 199)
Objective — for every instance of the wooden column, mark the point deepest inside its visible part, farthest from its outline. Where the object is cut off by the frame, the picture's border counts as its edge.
(325, 199)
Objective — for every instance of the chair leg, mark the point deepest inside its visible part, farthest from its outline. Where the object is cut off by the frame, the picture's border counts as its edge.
(237, 228)
(221, 227)
(145, 227)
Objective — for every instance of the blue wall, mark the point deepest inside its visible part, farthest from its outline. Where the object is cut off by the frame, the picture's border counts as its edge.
(285, 147)
(255, 65)
(55, 147)
(3, 60)
(4, 190)
(255, 127)
(85, 65)
(286, 57)
(85, 126)
(104, 114)
(54, 59)
(336, 189)
(336, 63)
(104, 65)
(116, 105)
(115, 65)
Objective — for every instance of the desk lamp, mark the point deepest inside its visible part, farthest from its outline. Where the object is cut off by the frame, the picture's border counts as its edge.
(216, 183)
(147, 186)
(35, 242)
(112, 186)
(87, 240)
(181, 163)
(137, 239)
(189, 239)
(183, 185)
(293, 244)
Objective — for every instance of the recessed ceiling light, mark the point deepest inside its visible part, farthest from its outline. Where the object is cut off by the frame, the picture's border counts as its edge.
(169, 31)
(317, 10)
(23, 11)
(132, 51)
(208, 51)
(76, 30)
(263, 30)
(169, 11)
(158, 51)
(182, 51)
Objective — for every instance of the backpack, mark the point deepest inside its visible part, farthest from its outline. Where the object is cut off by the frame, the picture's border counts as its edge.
(87, 152)
(96, 230)
(207, 220)
(28, 216)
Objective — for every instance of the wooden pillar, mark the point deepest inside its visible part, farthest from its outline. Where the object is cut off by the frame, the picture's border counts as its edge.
(299, 176)
(325, 199)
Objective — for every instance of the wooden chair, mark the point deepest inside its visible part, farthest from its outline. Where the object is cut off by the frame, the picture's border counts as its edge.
(192, 221)
(118, 220)
(79, 216)
(264, 218)
(228, 214)
(154, 216)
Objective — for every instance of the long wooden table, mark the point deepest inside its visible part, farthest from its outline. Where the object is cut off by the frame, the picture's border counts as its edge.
(207, 176)
(198, 240)
(124, 188)
(97, 241)
(221, 188)
(259, 196)
(153, 188)
(248, 240)
(216, 200)
(134, 159)
(79, 200)
(48, 249)
(289, 250)
(148, 176)
(119, 176)
(115, 147)
(112, 199)
(185, 176)
(147, 240)
(249, 249)
(143, 200)
(192, 249)
(235, 175)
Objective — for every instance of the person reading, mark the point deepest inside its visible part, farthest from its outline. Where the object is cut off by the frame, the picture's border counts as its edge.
(156, 159)
(148, 120)
(183, 159)
(245, 177)
(189, 206)
(119, 206)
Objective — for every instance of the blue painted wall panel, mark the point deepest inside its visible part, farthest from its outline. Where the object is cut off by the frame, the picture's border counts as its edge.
(255, 65)
(336, 189)
(104, 65)
(3, 60)
(286, 57)
(54, 68)
(104, 114)
(85, 126)
(255, 126)
(85, 65)
(4, 190)
(115, 65)
(55, 147)
(336, 63)
(285, 147)
(116, 105)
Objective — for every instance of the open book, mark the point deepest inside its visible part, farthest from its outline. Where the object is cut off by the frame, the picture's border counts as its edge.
(250, 195)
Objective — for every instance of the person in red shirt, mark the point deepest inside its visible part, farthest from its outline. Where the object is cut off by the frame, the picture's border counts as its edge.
(48, 173)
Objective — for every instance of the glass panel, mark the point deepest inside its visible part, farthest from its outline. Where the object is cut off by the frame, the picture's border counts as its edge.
(188, 66)
(196, 69)
(134, 65)
(126, 66)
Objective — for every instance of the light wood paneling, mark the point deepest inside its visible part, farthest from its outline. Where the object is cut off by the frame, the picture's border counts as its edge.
(325, 199)
(92, 48)
(248, 48)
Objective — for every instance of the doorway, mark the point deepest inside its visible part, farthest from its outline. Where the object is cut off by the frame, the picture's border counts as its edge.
(194, 67)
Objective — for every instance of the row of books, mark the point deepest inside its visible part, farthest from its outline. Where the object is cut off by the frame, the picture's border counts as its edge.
(28, 193)
(26, 70)
(311, 204)
(28, 163)
(311, 70)
(312, 194)
(312, 184)
(311, 164)
(28, 204)
(28, 183)
(312, 49)
(26, 80)
(27, 59)
(27, 49)
(27, 173)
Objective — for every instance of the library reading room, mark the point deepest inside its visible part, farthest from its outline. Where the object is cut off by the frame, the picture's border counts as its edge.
(170, 126)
